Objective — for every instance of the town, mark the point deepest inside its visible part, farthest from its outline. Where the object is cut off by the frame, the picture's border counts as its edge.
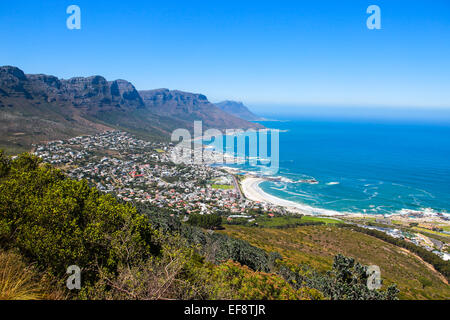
(140, 171)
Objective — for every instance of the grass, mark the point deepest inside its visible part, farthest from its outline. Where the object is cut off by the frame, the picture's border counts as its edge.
(321, 219)
(17, 281)
(222, 186)
(159, 150)
(267, 222)
(424, 230)
(12, 149)
(317, 245)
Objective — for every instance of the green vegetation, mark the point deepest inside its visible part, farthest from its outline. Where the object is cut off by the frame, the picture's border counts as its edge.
(222, 186)
(321, 219)
(58, 222)
(284, 222)
(347, 280)
(19, 281)
(138, 252)
(440, 265)
(265, 221)
(432, 232)
(316, 246)
(54, 222)
(234, 282)
(206, 221)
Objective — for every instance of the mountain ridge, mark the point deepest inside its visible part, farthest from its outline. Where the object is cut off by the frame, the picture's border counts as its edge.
(39, 107)
(238, 109)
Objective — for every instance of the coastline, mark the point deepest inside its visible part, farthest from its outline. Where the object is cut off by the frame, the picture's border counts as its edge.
(252, 191)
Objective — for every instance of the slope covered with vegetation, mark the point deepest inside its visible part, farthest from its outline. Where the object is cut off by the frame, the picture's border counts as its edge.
(316, 246)
(49, 222)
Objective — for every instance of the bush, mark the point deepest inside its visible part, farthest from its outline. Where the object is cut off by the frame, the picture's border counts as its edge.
(216, 247)
(347, 280)
(206, 221)
(233, 281)
(59, 222)
(433, 259)
(19, 281)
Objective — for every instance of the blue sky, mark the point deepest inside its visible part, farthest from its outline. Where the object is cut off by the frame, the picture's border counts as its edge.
(292, 53)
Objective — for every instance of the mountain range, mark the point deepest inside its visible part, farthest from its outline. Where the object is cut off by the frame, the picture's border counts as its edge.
(239, 110)
(37, 108)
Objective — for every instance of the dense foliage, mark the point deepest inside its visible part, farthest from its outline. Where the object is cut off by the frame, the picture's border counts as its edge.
(234, 282)
(346, 281)
(206, 221)
(216, 247)
(59, 222)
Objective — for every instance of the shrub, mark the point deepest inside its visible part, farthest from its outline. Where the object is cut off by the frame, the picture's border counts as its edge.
(59, 222)
(439, 264)
(347, 280)
(206, 221)
(233, 281)
(21, 281)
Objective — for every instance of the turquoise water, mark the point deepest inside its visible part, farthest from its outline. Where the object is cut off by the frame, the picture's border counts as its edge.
(363, 167)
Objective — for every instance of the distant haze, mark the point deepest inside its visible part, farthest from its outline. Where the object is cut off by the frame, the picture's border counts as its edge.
(372, 114)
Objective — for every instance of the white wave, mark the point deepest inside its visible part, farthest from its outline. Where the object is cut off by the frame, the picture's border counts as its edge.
(300, 194)
(427, 212)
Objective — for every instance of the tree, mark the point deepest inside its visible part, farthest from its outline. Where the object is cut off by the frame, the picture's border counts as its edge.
(4, 164)
(59, 222)
(206, 221)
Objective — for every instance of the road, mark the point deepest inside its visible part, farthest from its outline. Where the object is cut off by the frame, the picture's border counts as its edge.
(236, 186)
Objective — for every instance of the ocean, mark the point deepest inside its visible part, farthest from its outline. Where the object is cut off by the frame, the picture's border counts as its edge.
(362, 166)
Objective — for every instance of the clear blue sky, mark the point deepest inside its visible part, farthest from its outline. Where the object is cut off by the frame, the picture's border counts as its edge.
(258, 52)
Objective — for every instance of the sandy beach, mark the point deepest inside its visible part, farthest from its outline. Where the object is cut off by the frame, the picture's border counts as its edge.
(252, 191)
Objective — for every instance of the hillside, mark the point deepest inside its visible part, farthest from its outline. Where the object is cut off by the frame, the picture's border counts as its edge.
(37, 108)
(54, 222)
(317, 245)
(125, 251)
(238, 109)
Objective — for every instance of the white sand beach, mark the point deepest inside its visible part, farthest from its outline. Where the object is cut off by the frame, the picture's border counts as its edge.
(252, 191)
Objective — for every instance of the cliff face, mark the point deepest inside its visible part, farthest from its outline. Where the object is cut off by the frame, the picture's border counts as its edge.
(92, 93)
(97, 94)
(35, 108)
(39, 107)
(13, 83)
(191, 106)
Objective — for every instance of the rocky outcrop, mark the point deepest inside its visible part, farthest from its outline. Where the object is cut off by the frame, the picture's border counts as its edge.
(94, 94)
(192, 106)
(45, 107)
(14, 83)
